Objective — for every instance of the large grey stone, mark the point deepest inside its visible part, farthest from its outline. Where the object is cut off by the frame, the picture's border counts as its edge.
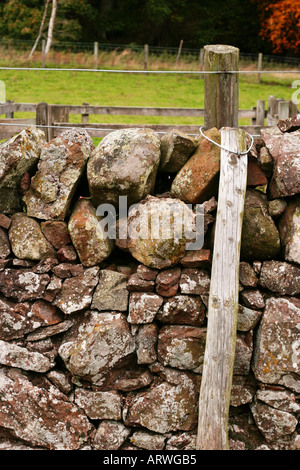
(125, 163)
(18, 156)
(111, 292)
(289, 229)
(27, 240)
(87, 234)
(62, 163)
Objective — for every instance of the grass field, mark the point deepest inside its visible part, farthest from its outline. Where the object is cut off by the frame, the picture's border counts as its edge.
(132, 90)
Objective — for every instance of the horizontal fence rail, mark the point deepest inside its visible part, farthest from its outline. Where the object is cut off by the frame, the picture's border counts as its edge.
(55, 118)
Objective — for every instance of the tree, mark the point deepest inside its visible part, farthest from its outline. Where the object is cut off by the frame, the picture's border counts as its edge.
(41, 29)
(51, 26)
(281, 25)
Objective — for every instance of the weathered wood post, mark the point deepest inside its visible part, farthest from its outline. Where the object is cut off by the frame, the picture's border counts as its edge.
(260, 113)
(219, 355)
(56, 113)
(178, 54)
(221, 100)
(43, 53)
(95, 55)
(201, 62)
(42, 118)
(146, 54)
(283, 110)
(259, 66)
(85, 116)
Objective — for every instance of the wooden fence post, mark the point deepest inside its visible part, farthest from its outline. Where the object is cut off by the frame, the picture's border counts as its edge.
(260, 112)
(85, 116)
(42, 118)
(259, 66)
(178, 54)
(221, 89)
(95, 55)
(146, 53)
(219, 355)
(43, 53)
(56, 113)
(283, 110)
(201, 62)
(9, 115)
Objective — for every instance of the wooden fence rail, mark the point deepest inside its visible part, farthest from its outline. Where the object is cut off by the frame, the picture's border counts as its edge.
(49, 115)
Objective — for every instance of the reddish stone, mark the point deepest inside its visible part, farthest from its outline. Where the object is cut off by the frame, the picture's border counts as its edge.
(45, 266)
(183, 310)
(194, 281)
(167, 291)
(5, 221)
(143, 307)
(167, 282)
(255, 175)
(22, 284)
(56, 233)
(127, 380)
(68, 270)
(67, 254)
(46, 312)
(145, 273)
(24, 183)
(197, 259)
(146, 343)
(136, 284)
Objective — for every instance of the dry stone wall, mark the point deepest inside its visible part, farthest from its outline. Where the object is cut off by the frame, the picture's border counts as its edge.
(102, 339)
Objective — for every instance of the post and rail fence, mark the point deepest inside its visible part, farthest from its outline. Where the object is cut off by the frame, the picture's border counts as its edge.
(54, 117)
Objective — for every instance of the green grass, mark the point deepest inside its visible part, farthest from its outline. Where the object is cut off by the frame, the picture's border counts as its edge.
(132, 90)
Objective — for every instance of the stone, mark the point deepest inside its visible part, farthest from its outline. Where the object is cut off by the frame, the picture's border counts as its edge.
(167, 282)
(111, 292)
(146, 340)
(265, 161)
(4, 244)
(125, 163)
(145, 273)
(27, 240)
(159, 230)
(277, 207)
(276, 354)
(22, 284)
(15, 356)
(110, 435)
(76, 293)
(99, 405)
(55, 422)
(19, 319)
(252, 298)
(194, 281)
(284, 149)
(47, 331)
(88, 235)
(68, 270)
(61, 380)
(52, 289)
(247, 275)
(197, 259)
(280, 277)
(136, 284)
(143, 307)
(289, 229)
(147, 440)
(176, 149)
(56, 233)
(100, 343)
(18, 155)
(260, 237)
(247, 318)
(164, 407)
(183, 310)
(5, 221)
(243, 353)
(127, 380)
(289, 125)
(61, 165)
(67, 254)
(182, 347)
(255, 174)
(182, 441)
(273, 424)
(280, 399)
(242, 390)
(197, 180)
(44, 266)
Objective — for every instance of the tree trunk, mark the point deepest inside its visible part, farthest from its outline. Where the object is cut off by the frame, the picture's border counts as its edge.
(51, 26)
(41, 29)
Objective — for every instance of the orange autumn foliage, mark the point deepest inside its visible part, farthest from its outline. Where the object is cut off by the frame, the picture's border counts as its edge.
(281, 24)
